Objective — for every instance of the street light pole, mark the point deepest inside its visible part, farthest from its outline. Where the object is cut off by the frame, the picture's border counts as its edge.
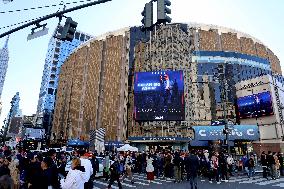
(225, 114)
(224, 94)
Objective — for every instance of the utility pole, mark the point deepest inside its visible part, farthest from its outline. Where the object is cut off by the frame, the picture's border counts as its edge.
(224, 93)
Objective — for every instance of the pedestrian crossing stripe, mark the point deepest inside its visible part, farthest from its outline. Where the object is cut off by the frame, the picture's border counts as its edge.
(281, 185)
(105, 184)
(136, 182)
(270, 182)
(139, 180)
(252, 181)
(242, 178)
(155, 182)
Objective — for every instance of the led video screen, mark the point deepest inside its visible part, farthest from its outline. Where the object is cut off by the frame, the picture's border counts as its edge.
(256, 105)
(159, 96)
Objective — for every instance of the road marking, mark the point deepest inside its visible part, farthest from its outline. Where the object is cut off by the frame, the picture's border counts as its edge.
(136, 182)
(239, 179)
(252, 181)
(105, 184)
(147, 181)
(270, 182)
(281, 185)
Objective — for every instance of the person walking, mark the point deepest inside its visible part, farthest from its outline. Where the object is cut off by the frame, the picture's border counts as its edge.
(128, 167)
(192, 165)
(251, 165)
(106, 164)
(150, 168)
(223, 167)
(35, 173)
(264, 164)
(271, 165)
(177, 167)
(76, 176)
(15, 173)
(277, 165)
(54, 170)
(86, 163)
(6, 180)
(230, 163)
(280, 158)
(47, 178)
(114, 174)
(168, 160)
(215, 168)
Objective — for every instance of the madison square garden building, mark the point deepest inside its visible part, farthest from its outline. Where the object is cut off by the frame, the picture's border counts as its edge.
(170, 87)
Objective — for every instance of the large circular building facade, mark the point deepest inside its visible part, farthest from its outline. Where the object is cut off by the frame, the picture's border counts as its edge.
(97, 82)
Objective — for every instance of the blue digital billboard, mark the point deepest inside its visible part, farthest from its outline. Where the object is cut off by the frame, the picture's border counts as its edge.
(255, 105)
(158, 95)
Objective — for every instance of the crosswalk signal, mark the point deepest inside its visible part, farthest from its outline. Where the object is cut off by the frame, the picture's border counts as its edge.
(163, 10)
(69, 29)
(147, 14)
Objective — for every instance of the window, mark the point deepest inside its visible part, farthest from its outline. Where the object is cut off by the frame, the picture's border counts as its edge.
(50, 91)
(56, 56)
(82, 38)
(77, 35)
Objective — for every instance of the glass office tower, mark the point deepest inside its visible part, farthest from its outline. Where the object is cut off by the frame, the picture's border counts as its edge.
(58, 51)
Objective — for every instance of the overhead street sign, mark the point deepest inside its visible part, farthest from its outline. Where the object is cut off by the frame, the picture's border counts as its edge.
(37, 34)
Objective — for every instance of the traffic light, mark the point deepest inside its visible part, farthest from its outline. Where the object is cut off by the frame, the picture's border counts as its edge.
(68, 30)
(225, 131)
(147, 14)
(163, 10)
(220, 69)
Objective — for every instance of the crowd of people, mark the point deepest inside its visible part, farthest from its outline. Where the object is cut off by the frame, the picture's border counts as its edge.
(21, 169)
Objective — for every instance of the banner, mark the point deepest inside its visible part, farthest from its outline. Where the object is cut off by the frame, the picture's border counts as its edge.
(236, 132)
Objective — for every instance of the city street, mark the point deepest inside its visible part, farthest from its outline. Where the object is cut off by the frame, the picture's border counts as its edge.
(237, 182)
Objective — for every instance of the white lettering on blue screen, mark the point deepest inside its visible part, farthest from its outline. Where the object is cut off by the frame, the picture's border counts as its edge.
(148, 86)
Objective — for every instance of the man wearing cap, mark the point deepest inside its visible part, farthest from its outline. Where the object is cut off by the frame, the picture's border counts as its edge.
(86, 163)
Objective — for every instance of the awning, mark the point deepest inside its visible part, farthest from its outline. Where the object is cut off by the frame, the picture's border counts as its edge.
(159, 139)
(77, 142)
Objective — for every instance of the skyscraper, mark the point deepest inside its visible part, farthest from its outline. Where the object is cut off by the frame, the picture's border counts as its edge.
(4, 58)
(13, 112)
(57, 53)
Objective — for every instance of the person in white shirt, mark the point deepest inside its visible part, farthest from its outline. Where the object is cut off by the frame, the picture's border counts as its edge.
(86, 163)
(230, 162)
(76, 177)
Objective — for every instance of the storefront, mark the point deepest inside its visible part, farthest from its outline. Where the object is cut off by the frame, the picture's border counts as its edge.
(159, 143)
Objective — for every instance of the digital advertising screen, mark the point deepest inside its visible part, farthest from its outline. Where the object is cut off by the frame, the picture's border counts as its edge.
(158, 95)
(256, 105)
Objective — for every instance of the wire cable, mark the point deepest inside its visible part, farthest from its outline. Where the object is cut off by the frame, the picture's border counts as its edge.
(62, 3)
(19, 23)
(46, 6)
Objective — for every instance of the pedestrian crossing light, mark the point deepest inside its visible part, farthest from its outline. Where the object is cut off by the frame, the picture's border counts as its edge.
(69, 29)
(163, 11)
(147, 14)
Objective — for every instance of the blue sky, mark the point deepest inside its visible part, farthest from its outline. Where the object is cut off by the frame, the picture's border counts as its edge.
(260, 18)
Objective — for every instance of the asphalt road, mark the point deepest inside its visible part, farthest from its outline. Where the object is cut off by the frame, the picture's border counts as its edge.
(238, 182)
